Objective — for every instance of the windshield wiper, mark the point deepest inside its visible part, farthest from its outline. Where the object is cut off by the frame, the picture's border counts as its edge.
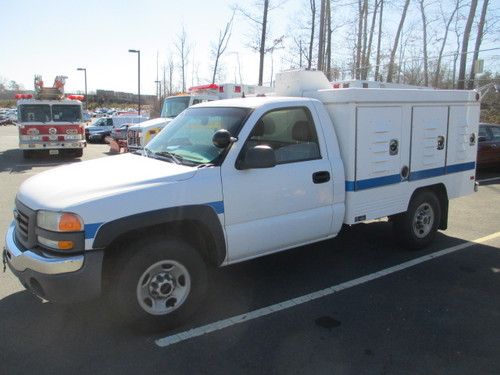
(176, 158)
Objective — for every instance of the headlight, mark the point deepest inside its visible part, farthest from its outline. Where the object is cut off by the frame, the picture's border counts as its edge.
(62, 222)
(59, 221)
(30, 138)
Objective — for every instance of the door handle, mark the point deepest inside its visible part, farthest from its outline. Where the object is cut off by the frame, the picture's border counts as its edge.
(321, 177)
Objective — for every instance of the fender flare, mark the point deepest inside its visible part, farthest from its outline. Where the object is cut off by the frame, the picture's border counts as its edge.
(200, 214)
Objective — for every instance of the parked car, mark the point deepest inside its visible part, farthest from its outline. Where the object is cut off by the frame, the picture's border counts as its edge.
(120, 132)
(488, 150)
(101, 128)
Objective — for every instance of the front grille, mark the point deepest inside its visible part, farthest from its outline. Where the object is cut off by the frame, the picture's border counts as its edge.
(133, 138)
(25, 225)
(22, 225)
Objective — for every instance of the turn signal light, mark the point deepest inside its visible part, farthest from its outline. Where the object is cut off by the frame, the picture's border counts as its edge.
(70, 223)
(65, 245)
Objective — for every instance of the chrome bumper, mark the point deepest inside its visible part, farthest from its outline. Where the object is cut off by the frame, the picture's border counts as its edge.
(38, 261)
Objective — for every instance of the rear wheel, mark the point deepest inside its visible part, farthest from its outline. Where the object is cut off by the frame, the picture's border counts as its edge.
(159, 284)
(417, 227)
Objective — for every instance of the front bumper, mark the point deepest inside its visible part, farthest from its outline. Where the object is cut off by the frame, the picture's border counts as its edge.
(54, 277)
(27, 145)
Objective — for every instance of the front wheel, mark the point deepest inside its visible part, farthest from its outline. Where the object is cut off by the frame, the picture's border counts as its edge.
(160, 283)
(417, 227)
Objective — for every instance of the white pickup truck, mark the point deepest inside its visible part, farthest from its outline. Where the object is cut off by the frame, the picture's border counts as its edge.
(236, 179)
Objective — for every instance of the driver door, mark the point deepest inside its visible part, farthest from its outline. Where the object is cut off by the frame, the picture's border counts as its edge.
(271, 209)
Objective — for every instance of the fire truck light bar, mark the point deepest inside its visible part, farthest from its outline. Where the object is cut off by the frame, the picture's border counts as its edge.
(211, 86)
(76, 97)
(23, 96)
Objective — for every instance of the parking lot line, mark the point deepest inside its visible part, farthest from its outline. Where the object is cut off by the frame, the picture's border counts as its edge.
(251, 315)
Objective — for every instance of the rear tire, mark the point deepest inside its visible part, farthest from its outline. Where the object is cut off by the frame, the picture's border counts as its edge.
(417, 227)
(159, 284)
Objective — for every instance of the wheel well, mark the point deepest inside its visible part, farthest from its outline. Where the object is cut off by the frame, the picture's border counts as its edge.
(442, 195)
(191, 231)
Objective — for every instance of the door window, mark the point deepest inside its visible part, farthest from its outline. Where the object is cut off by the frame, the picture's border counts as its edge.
(290, 132)
(495, 131)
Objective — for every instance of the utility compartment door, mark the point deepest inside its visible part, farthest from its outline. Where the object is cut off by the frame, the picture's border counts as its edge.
(462, 138)
(428, 142)
(378, 146)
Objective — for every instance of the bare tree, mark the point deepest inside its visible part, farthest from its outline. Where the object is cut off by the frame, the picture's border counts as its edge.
(366, 62)
(328, 52)
(357, 63)
(465, 44)
(479, 38)
(424, 42)
(321, 37)
(445, 37)
(262, 24)
(379, 38)
(183, 49)
(396, 42)
(220, 48)
(312, 4)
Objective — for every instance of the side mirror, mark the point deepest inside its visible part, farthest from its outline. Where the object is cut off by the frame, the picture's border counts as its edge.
(222, 138)
(258, 157)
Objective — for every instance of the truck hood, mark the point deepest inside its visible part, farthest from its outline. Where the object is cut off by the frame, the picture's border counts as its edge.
(71, 185)
(148, 123)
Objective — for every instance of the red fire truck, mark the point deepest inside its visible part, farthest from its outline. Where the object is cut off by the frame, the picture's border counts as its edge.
(49, 121)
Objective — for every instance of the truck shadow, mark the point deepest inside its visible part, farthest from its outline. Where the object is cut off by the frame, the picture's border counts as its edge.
(12, 161)
(233, 290)
(63, 337)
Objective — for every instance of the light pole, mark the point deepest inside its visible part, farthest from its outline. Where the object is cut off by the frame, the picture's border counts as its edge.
(138, 76)
(158, 89)
(85, 73)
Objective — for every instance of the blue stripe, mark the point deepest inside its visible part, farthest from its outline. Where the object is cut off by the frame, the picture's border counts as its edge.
(460, 167)
(91, 230)
(396, 178)
(378, 181)
(350, 186)
(427, 173)
(217, 206)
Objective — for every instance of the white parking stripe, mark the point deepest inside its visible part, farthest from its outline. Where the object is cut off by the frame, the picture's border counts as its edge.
(221, 324)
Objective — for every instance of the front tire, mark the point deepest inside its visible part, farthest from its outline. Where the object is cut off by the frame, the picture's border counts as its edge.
(160, 283)
(417, 227)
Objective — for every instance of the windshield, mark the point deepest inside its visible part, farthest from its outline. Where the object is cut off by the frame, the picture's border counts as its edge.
(34, 112)
(66, 113)
(42, 113)
(172, 107)
(188, 138)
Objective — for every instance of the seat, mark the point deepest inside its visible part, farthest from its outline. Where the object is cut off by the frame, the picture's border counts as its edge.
(304, 149)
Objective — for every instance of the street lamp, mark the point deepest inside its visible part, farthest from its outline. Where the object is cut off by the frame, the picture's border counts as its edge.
(86, 99)
(138, 76)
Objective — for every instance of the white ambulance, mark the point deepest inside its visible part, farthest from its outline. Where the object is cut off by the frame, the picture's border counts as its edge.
(231, 180)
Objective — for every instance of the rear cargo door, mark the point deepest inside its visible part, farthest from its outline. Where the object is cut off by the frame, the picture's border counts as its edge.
(378, 147)
(428, 142)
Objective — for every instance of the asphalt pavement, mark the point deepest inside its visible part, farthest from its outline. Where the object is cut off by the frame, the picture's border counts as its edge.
(377, 308)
